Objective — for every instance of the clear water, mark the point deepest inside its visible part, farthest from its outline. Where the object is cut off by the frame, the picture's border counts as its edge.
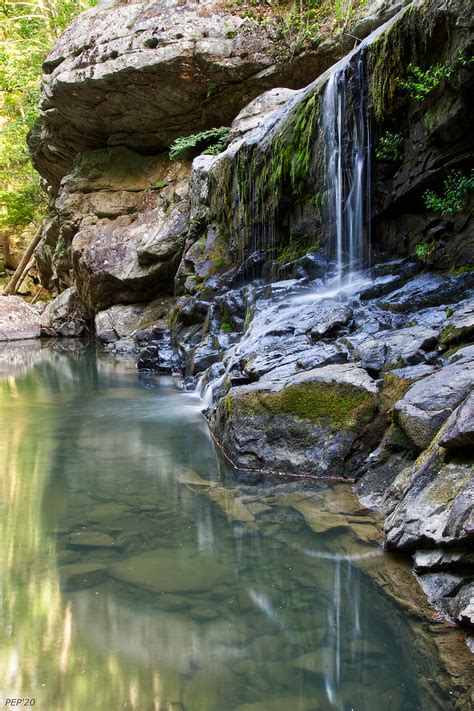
(139, 573)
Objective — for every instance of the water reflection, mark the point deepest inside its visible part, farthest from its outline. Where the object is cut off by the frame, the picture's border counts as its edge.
(136, 573)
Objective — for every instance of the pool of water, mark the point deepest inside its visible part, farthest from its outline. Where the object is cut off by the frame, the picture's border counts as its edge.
(139, 572)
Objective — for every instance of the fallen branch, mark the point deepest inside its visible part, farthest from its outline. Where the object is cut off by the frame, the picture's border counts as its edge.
(12, 286)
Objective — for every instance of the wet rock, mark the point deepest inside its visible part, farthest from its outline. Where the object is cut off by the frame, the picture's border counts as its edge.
(18, 320)
(307, 423)
(388, 348)
(208, 352)
(90, 539)
(440, 586)
(462, 606)
(162, 570)
(442, 559)
(428, 290)
(64, 316)
(431, 503)
(118, 321)
(389, 276)
(459, 327)
(430, 401)
(160, 355)
(77, 576)
(460, 432)
(330, 318)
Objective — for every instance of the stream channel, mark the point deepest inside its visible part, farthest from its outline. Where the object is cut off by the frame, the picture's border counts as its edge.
(139, 571)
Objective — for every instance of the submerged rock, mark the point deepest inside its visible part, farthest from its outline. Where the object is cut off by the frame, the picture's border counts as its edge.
(162, 570)
(77, 576)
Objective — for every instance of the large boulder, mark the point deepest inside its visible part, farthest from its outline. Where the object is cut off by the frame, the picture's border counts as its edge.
(307, 424)
(119, 228)
(141, 74)
(18, 320)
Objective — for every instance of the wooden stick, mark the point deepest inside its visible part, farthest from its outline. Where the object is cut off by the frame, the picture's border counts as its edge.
(24, 275)
(12, 286)
(35, 297)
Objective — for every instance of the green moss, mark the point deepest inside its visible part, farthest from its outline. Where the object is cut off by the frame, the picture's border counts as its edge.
(228, 405)
(394, 389)
(341, 405)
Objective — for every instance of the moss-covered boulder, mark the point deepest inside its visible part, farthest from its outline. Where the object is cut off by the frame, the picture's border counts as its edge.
(308, 424)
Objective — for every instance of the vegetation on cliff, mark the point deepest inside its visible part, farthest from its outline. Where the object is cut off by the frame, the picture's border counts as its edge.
(28, 31)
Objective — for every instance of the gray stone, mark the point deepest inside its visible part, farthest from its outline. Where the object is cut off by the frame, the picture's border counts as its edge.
(118, 321)
(459, 327)
(442, 559)
(431, 504)
(462, 605)
(430, 401)
(438, 586)
(252, 115)
(307, 423)
(428, 290)
(388, 348)
(18, 320)
(64, 316)
(460, 432)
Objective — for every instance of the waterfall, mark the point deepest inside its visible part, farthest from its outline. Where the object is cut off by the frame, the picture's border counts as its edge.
(346, 135)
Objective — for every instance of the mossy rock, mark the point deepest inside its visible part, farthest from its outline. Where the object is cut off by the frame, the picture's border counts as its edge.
(340, 404)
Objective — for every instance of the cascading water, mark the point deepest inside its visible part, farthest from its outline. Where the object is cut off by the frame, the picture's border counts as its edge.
(346, 135)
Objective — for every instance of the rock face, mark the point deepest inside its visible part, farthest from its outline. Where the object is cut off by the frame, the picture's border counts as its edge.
(120, 223)
(18, 320)
(142, 74)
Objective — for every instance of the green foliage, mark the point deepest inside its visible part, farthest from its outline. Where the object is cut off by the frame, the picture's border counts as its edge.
(419, 82)
(455, 188)
(28, 29)
(297, 247)
(230, 32)
(389, 147)
(212, 141)
(298, 24)
(423, 251)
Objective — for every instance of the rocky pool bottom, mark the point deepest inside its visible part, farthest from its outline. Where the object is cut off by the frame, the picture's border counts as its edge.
(141, 572)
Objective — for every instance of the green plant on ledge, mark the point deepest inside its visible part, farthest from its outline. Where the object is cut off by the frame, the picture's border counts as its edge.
(419, 82)
(209, 142)
(424, 250)
(389, 147)
(455, 188)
